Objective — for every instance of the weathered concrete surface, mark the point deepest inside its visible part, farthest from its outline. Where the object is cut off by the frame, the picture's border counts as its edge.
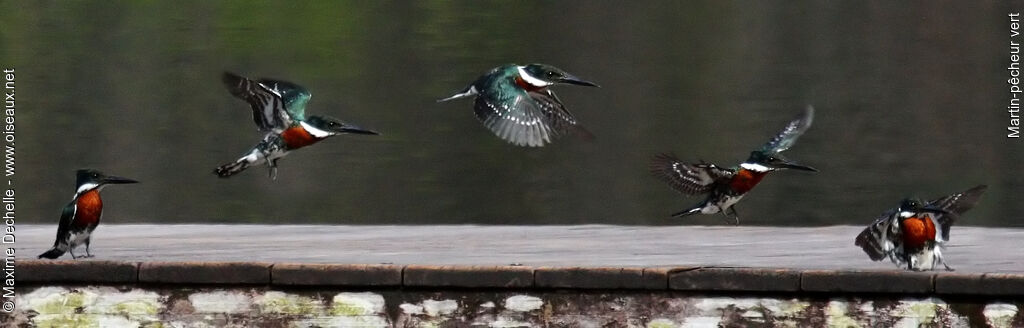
(99, 306)
(458, 276)
(699, 279)
(96, 293)
(971, 249)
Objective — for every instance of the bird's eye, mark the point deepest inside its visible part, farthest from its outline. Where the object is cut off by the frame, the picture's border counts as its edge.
(551, 74)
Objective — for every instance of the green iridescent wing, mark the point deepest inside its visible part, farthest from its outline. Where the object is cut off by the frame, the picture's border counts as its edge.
(64, 227)
(524, 118)
(793, 131)
(275, 104)
(294, 96)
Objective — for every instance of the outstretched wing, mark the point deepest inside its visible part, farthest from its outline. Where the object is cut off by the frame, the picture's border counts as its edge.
(269, 110)
(793, 130)
(295, 97)
(64, 226)
(955, 204)
(525, 118)
(690, 179)
(556, 115)
(882, 237)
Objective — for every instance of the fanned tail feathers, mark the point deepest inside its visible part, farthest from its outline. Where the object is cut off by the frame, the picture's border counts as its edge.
(227, 170)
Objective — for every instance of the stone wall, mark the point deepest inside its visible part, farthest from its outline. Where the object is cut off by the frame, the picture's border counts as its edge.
(120, 294)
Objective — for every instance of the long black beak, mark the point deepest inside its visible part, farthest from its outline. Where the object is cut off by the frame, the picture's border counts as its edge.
(796, 166)
(118, 180)
(782, 163)
(578, 81)
(356, 130)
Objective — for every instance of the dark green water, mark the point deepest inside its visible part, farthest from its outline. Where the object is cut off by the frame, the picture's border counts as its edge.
(911, 101)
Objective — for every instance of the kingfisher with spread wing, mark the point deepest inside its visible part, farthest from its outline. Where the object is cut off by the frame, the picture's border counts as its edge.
(915, 233)
(278, 108)
(725, 187)
(514, 102)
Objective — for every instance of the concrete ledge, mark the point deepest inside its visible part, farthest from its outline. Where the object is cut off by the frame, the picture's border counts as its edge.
(589, 278)
(657, 278)
(205, 272)
(374, 275)
(77, 271)
(736, 279)
(866, 282)
(979, 284)
(468, 276)
(708, 279)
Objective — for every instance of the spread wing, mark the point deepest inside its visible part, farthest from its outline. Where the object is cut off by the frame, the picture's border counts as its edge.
(956, 204)
(524, 118)
(557, 115)
(690, 179)
(793, 131)
(882, 237)
(295, 97)
(64, 226)
(275, 104)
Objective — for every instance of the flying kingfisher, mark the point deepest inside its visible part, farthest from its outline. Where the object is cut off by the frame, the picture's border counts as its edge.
(726, 186)
(278, 108)
(514, 102)
(82, 215)
(907, 234)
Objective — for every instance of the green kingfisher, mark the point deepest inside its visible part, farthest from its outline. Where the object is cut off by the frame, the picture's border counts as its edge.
(915, 233)
(514, 102)
(278, 108)
(726, 186)
(81, 216)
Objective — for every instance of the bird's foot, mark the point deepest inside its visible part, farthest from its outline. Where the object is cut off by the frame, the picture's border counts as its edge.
(273, 170)
(730, 213)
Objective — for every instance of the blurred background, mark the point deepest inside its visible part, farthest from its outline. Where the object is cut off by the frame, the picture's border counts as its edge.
(910, 100)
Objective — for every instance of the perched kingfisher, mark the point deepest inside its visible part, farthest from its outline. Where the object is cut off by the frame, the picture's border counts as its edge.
(82, 215)
(907, 234)
(726, 186)
(514, 102)
(278, 108)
